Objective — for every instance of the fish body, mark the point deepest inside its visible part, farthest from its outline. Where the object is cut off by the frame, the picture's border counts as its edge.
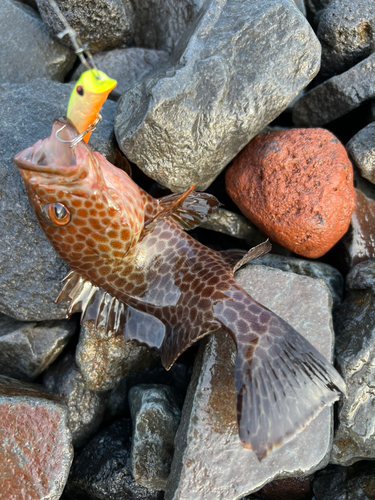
(136, 271)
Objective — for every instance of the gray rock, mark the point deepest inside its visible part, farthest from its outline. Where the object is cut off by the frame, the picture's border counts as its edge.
(345, 483)
(361, 149)
(30, 270)
(101, 24)
(346, 32)
(27, 50)
(85, 407)
(337, 96)
(209, 461)
(160, 23)
(104, 359)
(184, 124)
(127, 66)
(355, 345)
(102, 471)
(156, 413)
(27, 348)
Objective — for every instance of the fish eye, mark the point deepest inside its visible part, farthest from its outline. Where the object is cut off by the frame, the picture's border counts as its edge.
(58, 213)
(80, 90)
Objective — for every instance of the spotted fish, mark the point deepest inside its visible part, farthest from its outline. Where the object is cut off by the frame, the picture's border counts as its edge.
(137, 272)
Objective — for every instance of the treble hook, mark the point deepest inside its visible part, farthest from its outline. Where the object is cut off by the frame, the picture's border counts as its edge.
(73, 142)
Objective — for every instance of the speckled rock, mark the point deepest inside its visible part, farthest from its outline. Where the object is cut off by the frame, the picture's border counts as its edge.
(27, 348)
(104, 359)
(183, 124)
(101, 24)
(345, 483)
(355, 345)
(35, 445)
(27, 50)
(297, 187)
(156, 413)
(209, 461)
(336, 96)
(102, 471)
(30, 270)
(85, 407)
(361, 149)
(127, 66)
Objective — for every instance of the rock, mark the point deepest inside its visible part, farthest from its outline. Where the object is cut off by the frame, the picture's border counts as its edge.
(209, 461)
(30, 270)
(35, 446)
(156, 413)
(102, 471)
(361, 149)
(290, 488)
(160, 23)
(336, 96)
(183, 124)
(104, 359)
(85, 407)
(345, 31)
(127, 66)
(345, 483)
(101, 24)
(27, 51)
(297, 187)
(27, 348)
(355, 345)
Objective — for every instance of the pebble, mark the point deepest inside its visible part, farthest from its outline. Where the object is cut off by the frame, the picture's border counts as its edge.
(27, 348)
(361, 149)
(35, 446)
(27, 50)
(209, 461)
(156, 413)
(183, 125)
(296, 186)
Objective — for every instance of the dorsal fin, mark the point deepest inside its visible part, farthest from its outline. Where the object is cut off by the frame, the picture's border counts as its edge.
(236, 258)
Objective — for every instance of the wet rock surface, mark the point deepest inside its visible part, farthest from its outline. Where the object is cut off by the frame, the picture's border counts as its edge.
(361, 149)
(184, 124)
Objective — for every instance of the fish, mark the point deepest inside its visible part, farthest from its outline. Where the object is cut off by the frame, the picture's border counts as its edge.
(137, 272)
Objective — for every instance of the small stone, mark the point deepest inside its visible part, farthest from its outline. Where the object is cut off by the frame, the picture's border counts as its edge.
(35, 445)
(297, 187)
(361, 149)
(355, 346)
(182, 125)
(27, 348)
(101, 24)
(85, 407)
(336, 96)
(127, 66)
(104, 359)
(345, 483)
(27, 50)
(209, 461)
(156, 413)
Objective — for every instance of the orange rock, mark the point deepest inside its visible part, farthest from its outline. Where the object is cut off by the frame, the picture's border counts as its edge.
(297, 187)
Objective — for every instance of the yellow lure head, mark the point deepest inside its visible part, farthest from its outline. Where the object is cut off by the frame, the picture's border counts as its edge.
(87, 98)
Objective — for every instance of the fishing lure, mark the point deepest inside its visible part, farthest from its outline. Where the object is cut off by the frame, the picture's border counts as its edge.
(137, 272)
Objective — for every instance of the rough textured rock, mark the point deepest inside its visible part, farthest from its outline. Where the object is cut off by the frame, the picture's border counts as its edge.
(27, 348)
(346, 32)
(345, 483)
(355, 345)
(297, 187)
(30, 270)
(159, 24)
(102, 471)
(101, 24)
(156, 413)
(184, 124)
(27, 50)
(361, 149)
(85, 407)
(336, 96)
(104, 359)
(127, 66)
(35, 446)
(209, 461)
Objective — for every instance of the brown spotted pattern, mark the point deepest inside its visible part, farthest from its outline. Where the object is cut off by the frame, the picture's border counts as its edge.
(138, 272)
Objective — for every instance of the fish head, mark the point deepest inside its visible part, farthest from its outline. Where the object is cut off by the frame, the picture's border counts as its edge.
(92, 212)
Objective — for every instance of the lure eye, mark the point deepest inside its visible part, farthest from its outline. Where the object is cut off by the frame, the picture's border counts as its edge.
(58, 214)
(80, 90)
